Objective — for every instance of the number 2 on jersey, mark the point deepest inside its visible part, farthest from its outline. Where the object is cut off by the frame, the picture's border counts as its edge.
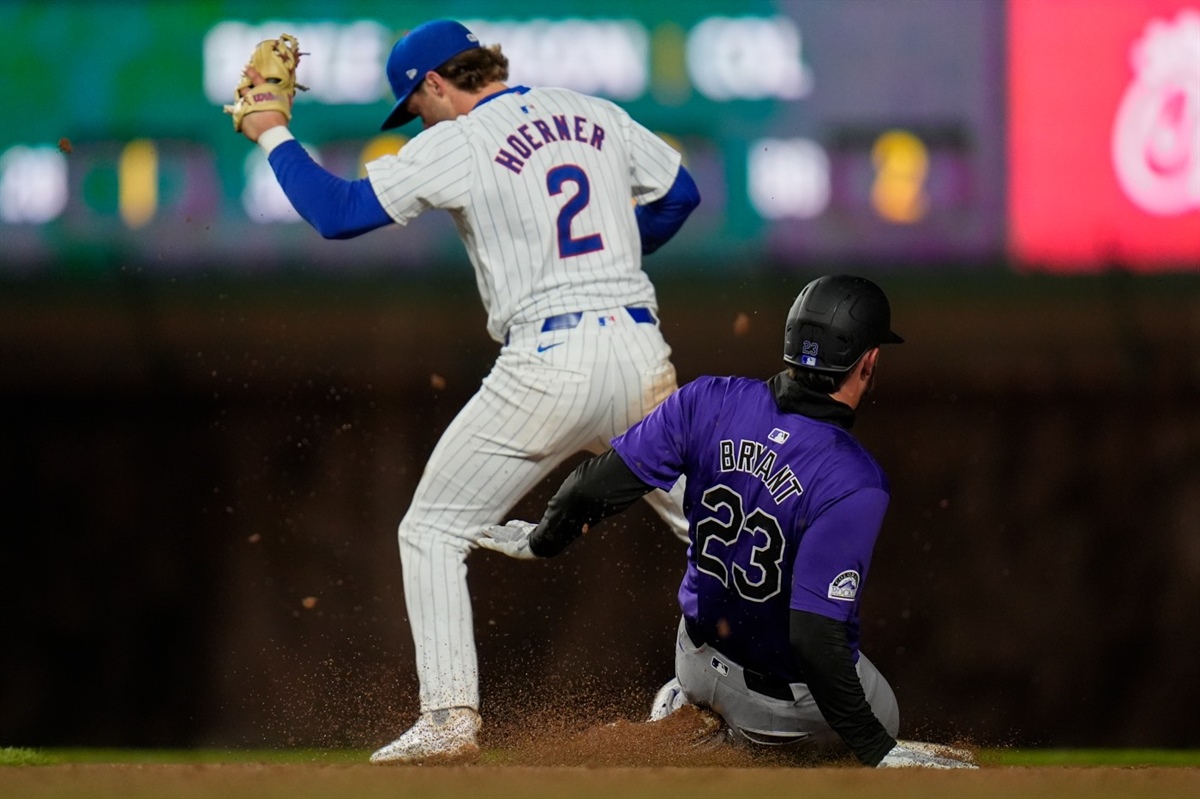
(567, 244)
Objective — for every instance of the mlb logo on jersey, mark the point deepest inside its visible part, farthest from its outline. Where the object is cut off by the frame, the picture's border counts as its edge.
(720, 667)
(845, 586)
(778, 436)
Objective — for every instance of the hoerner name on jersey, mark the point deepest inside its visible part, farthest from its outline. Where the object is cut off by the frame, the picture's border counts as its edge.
(538, 133)
(758, 459)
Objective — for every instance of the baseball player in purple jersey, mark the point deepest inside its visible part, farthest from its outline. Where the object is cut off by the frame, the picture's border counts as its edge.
(556, 196)
(784, 506)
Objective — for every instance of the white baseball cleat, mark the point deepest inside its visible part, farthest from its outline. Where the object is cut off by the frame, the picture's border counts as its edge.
(441, 736)
(668, 699)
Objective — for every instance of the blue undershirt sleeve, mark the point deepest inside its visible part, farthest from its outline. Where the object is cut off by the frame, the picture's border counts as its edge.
(336, 208)
(660, 220)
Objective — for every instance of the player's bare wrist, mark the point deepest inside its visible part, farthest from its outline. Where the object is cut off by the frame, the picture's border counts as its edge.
(272, 137)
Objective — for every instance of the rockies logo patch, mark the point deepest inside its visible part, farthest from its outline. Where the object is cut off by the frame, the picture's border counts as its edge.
(844, 587)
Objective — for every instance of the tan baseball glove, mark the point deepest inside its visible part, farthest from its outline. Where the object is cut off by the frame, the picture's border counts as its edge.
(276, 60)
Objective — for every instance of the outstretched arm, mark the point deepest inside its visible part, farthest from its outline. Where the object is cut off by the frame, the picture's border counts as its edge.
(839, 541)
(336, 208)
(819, 646)
(604, 485)
(598, 488)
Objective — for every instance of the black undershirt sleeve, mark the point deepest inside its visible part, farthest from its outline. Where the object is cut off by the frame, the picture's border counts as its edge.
(598, 488)
(819, 645)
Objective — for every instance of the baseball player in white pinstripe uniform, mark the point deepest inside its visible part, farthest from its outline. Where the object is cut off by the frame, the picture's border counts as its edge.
(539, 182)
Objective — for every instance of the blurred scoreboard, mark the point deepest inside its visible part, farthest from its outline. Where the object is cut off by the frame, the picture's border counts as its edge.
(868, 133)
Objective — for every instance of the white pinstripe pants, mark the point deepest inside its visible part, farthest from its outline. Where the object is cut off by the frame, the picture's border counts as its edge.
(534, 410)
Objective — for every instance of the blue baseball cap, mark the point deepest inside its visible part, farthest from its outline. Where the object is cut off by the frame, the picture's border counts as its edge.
(424, 48)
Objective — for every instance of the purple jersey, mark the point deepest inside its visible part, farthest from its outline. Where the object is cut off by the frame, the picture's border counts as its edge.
(783, 513)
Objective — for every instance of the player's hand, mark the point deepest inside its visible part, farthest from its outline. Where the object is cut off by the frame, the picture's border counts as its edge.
(266, 91)
(255, 123)
(511, 539)
(902, 756)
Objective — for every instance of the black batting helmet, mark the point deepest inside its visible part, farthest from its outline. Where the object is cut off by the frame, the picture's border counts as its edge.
(834, 320)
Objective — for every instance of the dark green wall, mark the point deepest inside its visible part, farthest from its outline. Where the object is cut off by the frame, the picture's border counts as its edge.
(183, 463)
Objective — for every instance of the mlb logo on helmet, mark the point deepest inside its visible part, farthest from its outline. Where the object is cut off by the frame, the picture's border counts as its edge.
(421, 50)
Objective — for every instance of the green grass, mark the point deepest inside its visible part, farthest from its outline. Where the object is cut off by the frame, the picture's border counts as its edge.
(12, 756)
(1131, 758)
(1077, 758)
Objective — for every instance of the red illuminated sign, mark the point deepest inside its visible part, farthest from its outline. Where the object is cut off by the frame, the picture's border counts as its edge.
(1104, 134)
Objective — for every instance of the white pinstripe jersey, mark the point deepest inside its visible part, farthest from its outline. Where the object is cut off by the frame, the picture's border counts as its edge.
(539, 185)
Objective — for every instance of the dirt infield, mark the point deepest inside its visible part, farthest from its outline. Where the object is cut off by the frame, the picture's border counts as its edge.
(528, 782)
(554, 758)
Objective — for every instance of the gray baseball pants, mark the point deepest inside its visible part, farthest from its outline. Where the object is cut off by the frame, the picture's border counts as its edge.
(710, 679)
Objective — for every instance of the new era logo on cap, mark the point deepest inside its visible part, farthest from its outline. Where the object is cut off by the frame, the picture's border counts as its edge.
(410, 74)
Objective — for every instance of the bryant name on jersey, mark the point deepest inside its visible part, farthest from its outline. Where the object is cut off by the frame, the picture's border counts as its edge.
(755, 458)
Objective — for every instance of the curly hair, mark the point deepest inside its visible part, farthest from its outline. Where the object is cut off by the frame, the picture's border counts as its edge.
(473, 69)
